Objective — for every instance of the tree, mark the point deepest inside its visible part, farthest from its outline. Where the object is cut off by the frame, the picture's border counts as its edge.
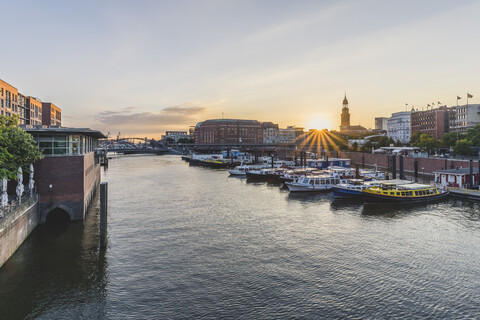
(473, 135)
(415, 137)
(463, 147)
(17, 148)
(185, 140)
(449, 139)
(426, 142)
(354, 146)
(398, 144)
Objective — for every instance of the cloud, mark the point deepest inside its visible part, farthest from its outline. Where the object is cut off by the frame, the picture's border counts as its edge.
(169, 116)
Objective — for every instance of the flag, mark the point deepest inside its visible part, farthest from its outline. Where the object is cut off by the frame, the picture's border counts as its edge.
(439, 102)
(469, 95)
(406, 104)
(433, 103)
(428, 105)
(458, 97)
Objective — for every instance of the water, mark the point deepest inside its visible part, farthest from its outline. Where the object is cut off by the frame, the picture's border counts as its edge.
(190, 242)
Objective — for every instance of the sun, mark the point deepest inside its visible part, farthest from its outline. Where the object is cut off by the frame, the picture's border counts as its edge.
(319, 121)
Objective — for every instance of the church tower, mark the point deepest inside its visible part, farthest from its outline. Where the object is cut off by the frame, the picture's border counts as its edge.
(345, 116)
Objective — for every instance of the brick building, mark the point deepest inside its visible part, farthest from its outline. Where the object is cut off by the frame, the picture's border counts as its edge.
(35, 111)
(8, 99)
(68, 176)
(434, 121)
(51, 114)
(230, 131)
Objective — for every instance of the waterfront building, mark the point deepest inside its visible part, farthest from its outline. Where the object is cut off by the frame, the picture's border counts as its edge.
(345, 126)
(434, 121)
(270, 132)
(51, 114)
(8, 99)
(381, 123)
(465, 117)
(23, 110)
(291, 134)
(68, 176)
(398, 127)
(175, 135)
(229, 131)
(34, 111)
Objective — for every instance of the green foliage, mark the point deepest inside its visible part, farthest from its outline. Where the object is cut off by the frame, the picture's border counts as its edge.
(473, 135)
(449, 139)
(185, 140)
(415, 138)
(398, 144)
(426, 142)
(17, 148)
(463, 147)
(354, 146)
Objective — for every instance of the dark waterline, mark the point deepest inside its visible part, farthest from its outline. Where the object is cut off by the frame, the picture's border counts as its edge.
(189, 242)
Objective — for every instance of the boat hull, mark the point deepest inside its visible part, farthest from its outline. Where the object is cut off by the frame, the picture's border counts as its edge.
(345, 193)
(370, 198)
(302, 188)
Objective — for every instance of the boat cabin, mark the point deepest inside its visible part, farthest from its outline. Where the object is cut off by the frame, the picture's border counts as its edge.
(457, 178)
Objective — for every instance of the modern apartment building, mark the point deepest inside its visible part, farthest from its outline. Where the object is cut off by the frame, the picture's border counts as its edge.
(434, 121)
(35, 111)
(230, 131)
(8, 99)
(465, 117)
(51, 114)
(398, 126)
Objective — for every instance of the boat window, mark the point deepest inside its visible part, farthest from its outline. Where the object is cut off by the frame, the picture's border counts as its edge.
(417, 193)
(403, 193)
(398, 193)
(392, 193)
(385, 192)
(312, 181)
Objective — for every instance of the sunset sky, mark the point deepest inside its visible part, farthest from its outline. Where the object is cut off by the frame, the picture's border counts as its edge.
(143, 67)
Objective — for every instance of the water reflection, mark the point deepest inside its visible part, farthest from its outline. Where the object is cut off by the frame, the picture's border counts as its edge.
(58, 272)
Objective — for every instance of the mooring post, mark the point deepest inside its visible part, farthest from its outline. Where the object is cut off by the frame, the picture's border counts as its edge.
(471, 174)
(103, 214)
(402, 173)
(363, 161)
(415, 169)
(394, 167)
(357, 171)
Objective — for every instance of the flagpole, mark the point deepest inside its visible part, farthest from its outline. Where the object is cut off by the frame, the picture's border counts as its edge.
(467, 99)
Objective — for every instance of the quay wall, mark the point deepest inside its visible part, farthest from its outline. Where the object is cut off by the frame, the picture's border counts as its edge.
(67, 183)
(16, 227)
(426, 166)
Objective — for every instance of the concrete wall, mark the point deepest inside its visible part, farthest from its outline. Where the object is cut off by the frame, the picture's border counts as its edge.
(16, 227)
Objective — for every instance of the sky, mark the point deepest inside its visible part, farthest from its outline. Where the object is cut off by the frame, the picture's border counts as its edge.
(143, 67)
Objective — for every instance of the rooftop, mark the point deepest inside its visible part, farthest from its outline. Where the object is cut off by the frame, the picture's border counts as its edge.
(462, 171)
(62, 130)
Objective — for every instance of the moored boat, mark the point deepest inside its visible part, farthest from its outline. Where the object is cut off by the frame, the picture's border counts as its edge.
(352, 188)
(313, 183)
(403, 194)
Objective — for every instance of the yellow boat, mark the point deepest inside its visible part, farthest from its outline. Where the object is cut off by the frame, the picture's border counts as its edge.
(403, 194)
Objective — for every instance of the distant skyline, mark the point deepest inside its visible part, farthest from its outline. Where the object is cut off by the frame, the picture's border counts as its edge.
(144, 67)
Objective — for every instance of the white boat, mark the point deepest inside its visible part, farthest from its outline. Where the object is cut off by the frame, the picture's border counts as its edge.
(352, 188)
(242, 170)
(313, 183)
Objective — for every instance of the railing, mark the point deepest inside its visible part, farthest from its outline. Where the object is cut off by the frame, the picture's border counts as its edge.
(14, 204)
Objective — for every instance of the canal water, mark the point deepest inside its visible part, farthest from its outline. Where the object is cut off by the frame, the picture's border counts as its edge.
(189, 242)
